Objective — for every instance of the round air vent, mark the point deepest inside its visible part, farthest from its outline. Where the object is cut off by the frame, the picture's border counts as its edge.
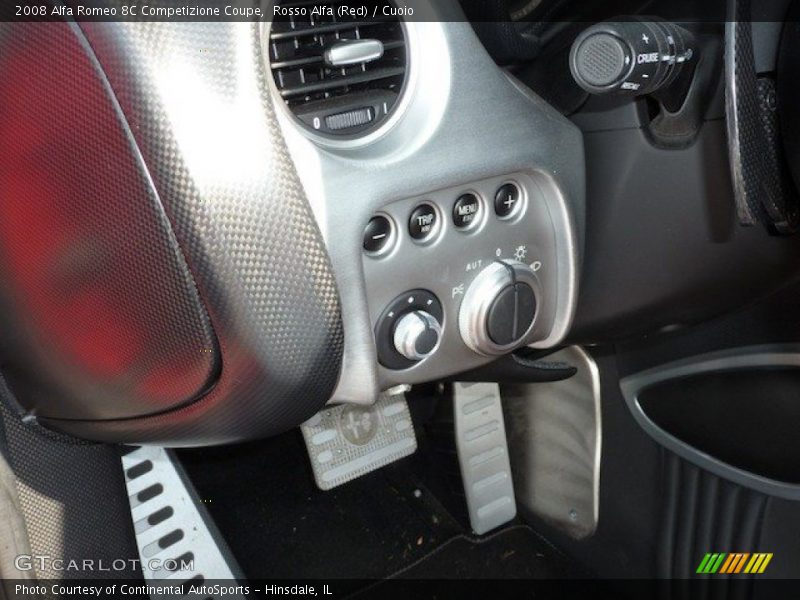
(339, 76)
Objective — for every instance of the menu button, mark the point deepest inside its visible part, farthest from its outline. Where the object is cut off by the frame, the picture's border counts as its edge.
(466, 210)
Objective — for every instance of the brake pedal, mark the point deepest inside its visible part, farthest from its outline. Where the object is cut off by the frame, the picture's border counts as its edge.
(483, 455)
(347, 441)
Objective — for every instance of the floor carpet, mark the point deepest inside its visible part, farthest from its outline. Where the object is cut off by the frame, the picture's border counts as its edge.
(278, 524)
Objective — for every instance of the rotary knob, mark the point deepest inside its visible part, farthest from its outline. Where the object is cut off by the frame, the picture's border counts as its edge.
(417, 335)
(499, 308)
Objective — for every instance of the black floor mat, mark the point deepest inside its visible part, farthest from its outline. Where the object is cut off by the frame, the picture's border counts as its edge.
(512, 553)
(278, 524)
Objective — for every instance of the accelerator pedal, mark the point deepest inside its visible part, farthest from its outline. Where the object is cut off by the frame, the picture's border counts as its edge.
(347, 441)
(483, 455)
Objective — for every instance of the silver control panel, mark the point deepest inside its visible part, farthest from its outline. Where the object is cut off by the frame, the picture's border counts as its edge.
(486, 251)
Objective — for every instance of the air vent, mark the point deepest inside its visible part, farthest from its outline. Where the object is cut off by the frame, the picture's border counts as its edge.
(338, 76)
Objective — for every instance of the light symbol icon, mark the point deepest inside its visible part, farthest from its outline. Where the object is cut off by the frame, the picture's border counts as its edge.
(520, 253)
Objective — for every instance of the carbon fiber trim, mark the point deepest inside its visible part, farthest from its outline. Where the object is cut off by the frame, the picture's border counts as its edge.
(98, 302)
(759, 180)
(195, 97)
(784, 209)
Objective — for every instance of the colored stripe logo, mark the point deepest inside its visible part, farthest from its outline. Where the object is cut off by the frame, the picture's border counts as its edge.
(732, 563)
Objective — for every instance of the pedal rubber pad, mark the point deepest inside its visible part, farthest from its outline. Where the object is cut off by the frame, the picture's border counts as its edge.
(483, 455)
(347, 441)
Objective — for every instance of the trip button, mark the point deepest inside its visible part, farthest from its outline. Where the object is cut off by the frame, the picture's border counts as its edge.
(422, 222)
(465, 210)
(506, 200)
(377, 234)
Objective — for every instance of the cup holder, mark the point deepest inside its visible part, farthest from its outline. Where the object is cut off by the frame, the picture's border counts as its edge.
(735, 413)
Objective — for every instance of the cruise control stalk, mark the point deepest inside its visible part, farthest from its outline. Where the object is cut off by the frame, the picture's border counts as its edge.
(635, 56)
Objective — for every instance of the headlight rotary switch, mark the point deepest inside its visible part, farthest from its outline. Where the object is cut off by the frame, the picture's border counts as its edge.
(499, 309)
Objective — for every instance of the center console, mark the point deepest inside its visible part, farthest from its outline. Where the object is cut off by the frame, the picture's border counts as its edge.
(450, 198)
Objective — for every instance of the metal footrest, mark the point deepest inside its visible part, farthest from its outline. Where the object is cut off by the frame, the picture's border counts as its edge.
(483, 455)
(175, 541)
(347, 441)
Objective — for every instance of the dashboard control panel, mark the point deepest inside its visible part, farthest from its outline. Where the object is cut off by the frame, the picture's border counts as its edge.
(460, 276)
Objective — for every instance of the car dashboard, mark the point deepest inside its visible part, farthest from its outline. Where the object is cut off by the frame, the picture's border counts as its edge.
(309, 210)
